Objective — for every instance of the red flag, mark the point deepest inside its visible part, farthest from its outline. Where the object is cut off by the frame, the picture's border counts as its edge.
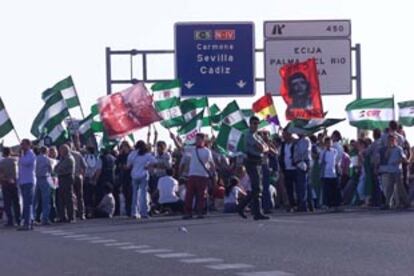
(300, 90)
(126, 111)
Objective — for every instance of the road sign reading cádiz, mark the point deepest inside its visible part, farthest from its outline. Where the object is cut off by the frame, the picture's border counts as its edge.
(215, 59)
(328, 41)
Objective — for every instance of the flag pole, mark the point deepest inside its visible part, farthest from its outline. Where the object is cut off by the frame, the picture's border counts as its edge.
(77, 95)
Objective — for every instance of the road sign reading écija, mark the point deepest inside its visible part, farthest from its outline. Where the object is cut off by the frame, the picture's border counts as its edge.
(328, 41)
(215, 59)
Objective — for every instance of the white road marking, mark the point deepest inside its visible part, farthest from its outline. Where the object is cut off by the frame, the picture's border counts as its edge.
(75, 236)
(228, 266)
(201, 260)
(286, 220)
(50, 231)
(151, 251)
(174, 255)
(130, 247)
(266, 273)
(118, 244)
(88, 239)
(62, 233)
(102, 241)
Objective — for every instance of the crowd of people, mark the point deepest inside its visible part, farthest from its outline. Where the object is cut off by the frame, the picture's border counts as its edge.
(293, 172)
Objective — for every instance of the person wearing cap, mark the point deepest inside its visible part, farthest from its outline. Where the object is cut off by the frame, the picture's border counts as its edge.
(391, 159)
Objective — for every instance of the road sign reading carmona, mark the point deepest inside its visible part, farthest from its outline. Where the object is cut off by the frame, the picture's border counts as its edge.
(288, 42)
(215, 59)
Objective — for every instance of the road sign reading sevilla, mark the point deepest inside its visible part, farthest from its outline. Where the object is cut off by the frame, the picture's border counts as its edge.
(328, 41)
(215, 59)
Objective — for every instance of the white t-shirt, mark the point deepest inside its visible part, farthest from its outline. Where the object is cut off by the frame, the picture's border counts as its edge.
(233, 195)
(167, 188)
(107, 204)
(196, 168)
(138, 163)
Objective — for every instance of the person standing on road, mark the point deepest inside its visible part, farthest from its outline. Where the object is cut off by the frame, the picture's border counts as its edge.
(80, 167)
(139, 161)
(124, 175)
(26, 180)
(255, 147)
(43, 178)
(65, 170)
(201, 168)
(329, 162)
(287, 166)
(390, 168)
(301, 158)
(93, 164)
(8, 174)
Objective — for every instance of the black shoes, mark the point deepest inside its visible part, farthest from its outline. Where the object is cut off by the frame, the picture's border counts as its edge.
(241, 213)
(261, 217)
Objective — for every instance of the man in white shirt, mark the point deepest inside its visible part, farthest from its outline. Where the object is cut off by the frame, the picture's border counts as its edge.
(329, 162)
(168, 191)
(200, 171)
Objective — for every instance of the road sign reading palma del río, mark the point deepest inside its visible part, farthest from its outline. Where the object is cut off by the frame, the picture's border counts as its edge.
(215, 59)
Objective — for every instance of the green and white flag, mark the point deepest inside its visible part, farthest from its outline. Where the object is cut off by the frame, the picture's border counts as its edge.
(166, 98)
(230, 139)
(68, 91)
(5, 123)
(59, 135)
(53, 113)
(233, 116)
(191, 107)
(92, 123)
(371, 113)
(85, 126)
(211, 118)
(308, 127)
(406, 113)
(189, 130)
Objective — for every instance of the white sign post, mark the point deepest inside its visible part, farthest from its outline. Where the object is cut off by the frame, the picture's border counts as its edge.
(288, 42)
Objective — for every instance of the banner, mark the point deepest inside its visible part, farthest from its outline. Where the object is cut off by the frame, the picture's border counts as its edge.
(300, 90)
(371, 113)
(126, 111)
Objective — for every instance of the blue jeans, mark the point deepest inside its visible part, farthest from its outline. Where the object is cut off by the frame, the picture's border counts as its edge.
(139, 197)
(301, 189)
(28, 195)
(44, 188)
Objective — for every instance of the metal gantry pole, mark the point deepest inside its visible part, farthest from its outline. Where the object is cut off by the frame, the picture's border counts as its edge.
(108, 71)
(357, 76)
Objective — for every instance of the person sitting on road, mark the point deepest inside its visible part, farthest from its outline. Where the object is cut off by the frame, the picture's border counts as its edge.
(232, 195)
(106, 208)
(168, 193)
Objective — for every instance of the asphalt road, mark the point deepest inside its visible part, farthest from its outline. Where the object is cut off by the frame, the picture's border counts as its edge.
(359, 242)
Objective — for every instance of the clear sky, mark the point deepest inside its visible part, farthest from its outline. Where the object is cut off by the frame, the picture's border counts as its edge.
(44, 41)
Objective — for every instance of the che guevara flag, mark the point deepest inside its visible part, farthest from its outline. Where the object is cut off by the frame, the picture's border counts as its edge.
(300, 90)
(126, 111)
